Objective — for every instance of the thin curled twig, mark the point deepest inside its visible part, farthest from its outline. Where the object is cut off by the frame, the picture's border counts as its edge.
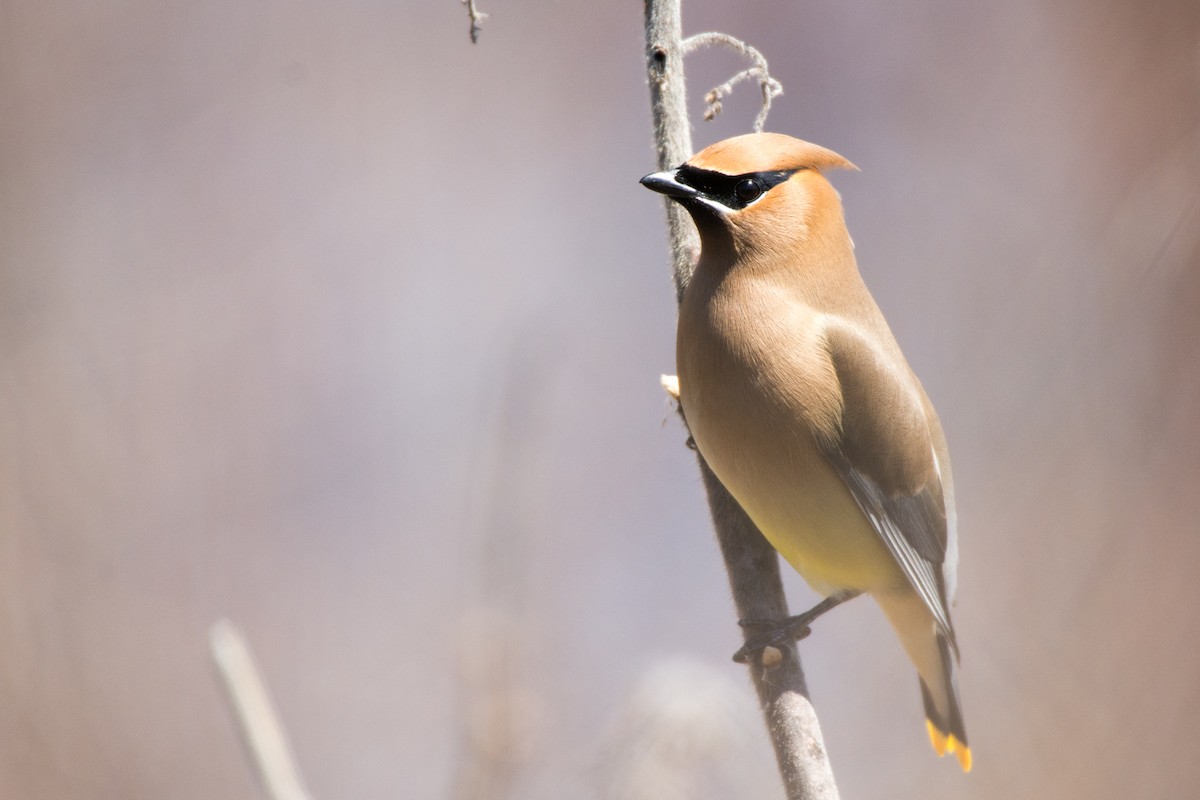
(477, 17)
(769, 87)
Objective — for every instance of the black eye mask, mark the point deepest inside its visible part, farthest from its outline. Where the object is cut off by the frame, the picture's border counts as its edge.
(735, 192)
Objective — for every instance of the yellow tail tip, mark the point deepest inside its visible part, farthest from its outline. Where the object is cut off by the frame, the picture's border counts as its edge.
(936, 738)
(948, 743)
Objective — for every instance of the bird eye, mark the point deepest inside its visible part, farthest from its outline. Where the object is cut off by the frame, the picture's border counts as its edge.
(748, 191)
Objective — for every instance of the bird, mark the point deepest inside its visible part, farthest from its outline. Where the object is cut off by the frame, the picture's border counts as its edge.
(799, 399)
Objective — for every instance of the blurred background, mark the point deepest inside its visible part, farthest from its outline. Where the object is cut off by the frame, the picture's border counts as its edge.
(315, 316)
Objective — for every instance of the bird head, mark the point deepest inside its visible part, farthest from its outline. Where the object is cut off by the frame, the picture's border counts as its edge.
(760, 190)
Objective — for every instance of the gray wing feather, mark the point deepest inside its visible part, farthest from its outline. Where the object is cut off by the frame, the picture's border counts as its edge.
(885, 455)
(903, 524)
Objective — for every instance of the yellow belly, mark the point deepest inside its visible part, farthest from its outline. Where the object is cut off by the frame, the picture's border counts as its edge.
(818, 528)
(775, 471)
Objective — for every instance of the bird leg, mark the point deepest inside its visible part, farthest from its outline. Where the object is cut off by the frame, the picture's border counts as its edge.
(779, 632)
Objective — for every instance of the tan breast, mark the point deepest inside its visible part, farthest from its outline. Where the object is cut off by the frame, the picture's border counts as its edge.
(757, 389)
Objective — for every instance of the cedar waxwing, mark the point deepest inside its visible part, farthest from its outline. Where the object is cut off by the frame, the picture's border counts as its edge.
(798, 397)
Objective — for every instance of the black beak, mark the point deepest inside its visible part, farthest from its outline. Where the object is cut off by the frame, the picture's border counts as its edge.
(666, 183)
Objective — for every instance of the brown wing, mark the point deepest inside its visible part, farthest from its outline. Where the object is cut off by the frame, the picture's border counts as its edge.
(885, 454)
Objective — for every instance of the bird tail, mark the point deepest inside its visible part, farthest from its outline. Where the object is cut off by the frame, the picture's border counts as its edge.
(933, 654)
(944, 719)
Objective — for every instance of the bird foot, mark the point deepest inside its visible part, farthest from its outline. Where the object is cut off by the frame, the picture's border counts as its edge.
(778, 632)
(775, 633)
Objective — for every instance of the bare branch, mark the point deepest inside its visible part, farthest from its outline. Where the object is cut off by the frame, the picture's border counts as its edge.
(672, 134)
(477, 17)
(751, 562)
(261, 730)
(769, 87)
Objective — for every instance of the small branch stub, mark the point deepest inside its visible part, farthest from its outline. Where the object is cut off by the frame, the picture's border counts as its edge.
(670, 385)
(771, 657)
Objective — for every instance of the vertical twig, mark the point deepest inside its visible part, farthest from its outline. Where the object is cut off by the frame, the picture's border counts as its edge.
(477, 17)
(261, 730)
(672, 135)
(751, 562)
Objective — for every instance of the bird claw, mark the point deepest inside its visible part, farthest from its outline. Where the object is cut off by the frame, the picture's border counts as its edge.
(777, 634)
(785, 631)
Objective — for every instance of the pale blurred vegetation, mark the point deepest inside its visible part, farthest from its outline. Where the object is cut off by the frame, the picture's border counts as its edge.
(319, 318)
